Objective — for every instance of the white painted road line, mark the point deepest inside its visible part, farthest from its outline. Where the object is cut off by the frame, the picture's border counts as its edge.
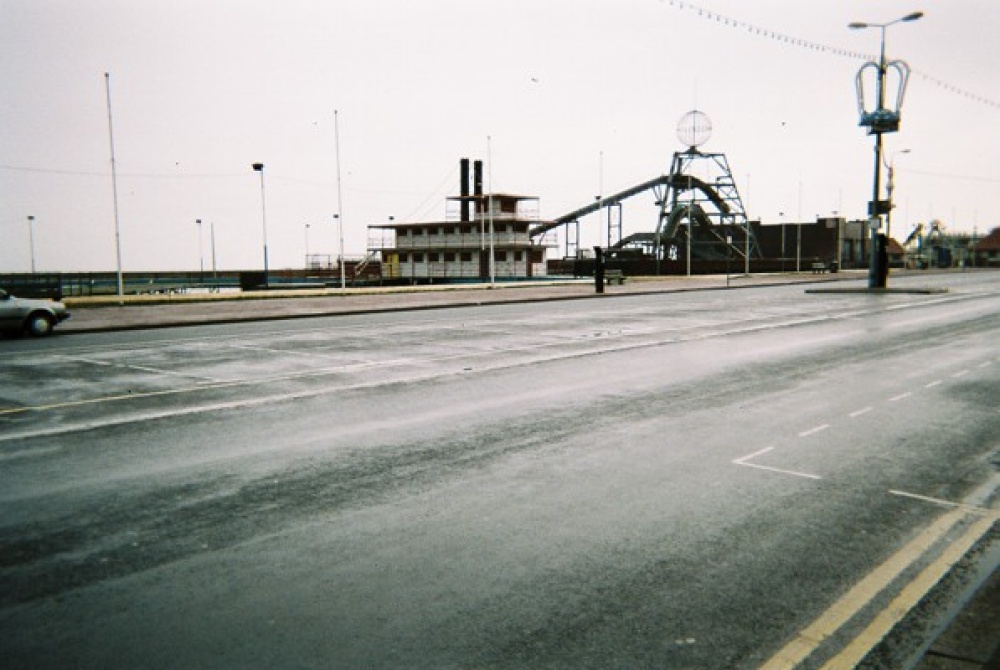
(141, 368)
(899, 397)
(813, 431)
(930, 385)
(859, 412)
(744, 459)
(960, 373)
(793, 473)
(944, 503)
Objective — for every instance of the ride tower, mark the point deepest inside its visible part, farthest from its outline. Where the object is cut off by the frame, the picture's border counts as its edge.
(701, 217)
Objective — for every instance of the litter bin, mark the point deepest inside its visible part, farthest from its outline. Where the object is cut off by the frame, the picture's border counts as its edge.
(252, 281)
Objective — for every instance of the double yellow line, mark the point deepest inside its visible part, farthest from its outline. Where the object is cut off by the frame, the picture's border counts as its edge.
(838, 614)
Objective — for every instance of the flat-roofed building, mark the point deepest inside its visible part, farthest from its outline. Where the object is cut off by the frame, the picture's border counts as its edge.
(458, 248)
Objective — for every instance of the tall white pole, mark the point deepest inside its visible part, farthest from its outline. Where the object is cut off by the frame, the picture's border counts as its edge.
(600, 194)
(746, 241)
(31, 240)
(690, 211)
(340, 201)
(215, 274)
(114, 187)
(489, 205)
(259, 167)
(201, 254)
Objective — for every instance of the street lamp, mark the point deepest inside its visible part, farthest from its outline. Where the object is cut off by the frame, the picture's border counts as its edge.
(31, 240)
(259, 167)
(879, 121)
(889, 185)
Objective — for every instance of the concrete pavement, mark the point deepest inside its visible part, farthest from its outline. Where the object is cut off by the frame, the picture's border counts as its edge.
(109, 313)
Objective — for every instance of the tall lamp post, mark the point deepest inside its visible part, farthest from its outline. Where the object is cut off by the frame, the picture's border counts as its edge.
(31, 240)
(259, 167)
(880, 121)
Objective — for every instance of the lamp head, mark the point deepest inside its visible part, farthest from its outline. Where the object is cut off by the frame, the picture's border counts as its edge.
(856, 25)
(912, 17)
(258, 167)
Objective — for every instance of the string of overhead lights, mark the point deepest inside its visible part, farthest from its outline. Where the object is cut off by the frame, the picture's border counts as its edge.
(738, 24)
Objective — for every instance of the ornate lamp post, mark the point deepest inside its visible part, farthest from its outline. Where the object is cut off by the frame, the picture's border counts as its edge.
(880, 121)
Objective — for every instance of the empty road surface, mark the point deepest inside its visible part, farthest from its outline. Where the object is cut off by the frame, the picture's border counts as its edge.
(717, 479)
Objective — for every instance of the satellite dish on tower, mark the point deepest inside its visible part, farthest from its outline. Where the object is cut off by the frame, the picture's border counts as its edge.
(694, 129)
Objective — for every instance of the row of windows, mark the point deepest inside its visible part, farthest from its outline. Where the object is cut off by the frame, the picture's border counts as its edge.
(458, 230)
(449, 257)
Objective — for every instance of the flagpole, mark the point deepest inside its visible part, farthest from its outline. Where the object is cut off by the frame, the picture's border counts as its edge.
(489, 206)
(114, 186)
(340, 212)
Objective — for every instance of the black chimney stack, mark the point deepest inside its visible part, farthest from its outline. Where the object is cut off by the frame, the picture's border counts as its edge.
(464, 186)
(477, 184)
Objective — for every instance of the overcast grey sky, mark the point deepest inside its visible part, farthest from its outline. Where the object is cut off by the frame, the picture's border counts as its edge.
(572, 93)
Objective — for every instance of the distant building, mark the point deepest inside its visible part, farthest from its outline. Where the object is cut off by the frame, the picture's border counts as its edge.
(986, 252)
(458, 248)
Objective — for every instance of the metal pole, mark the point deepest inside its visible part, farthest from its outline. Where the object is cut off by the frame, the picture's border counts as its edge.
(215, 274)
(746, 242)
(489, 205)
(259, 167)
(201, 254)
(798, 247)
(690, 209)
(31, 240)
(340, 201)
(114, 187)
(876, 219)
(746, 248)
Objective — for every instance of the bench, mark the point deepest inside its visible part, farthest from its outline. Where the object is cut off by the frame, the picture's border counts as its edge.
(614, 276)
(819, 268)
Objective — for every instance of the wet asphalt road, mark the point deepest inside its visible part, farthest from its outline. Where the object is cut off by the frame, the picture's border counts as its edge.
(671, 481)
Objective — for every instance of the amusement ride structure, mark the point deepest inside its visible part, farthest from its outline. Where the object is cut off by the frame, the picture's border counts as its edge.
(701, 216)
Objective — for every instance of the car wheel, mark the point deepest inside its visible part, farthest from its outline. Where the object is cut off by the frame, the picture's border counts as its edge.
(39, 325)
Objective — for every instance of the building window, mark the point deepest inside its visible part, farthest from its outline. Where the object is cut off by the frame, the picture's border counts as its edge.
(418, 231)
(418, 258)
(466, 230)
(449, 257)
(404, 258)
(502, 256)
(466, 257)
(433, 257)
(518, 256)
